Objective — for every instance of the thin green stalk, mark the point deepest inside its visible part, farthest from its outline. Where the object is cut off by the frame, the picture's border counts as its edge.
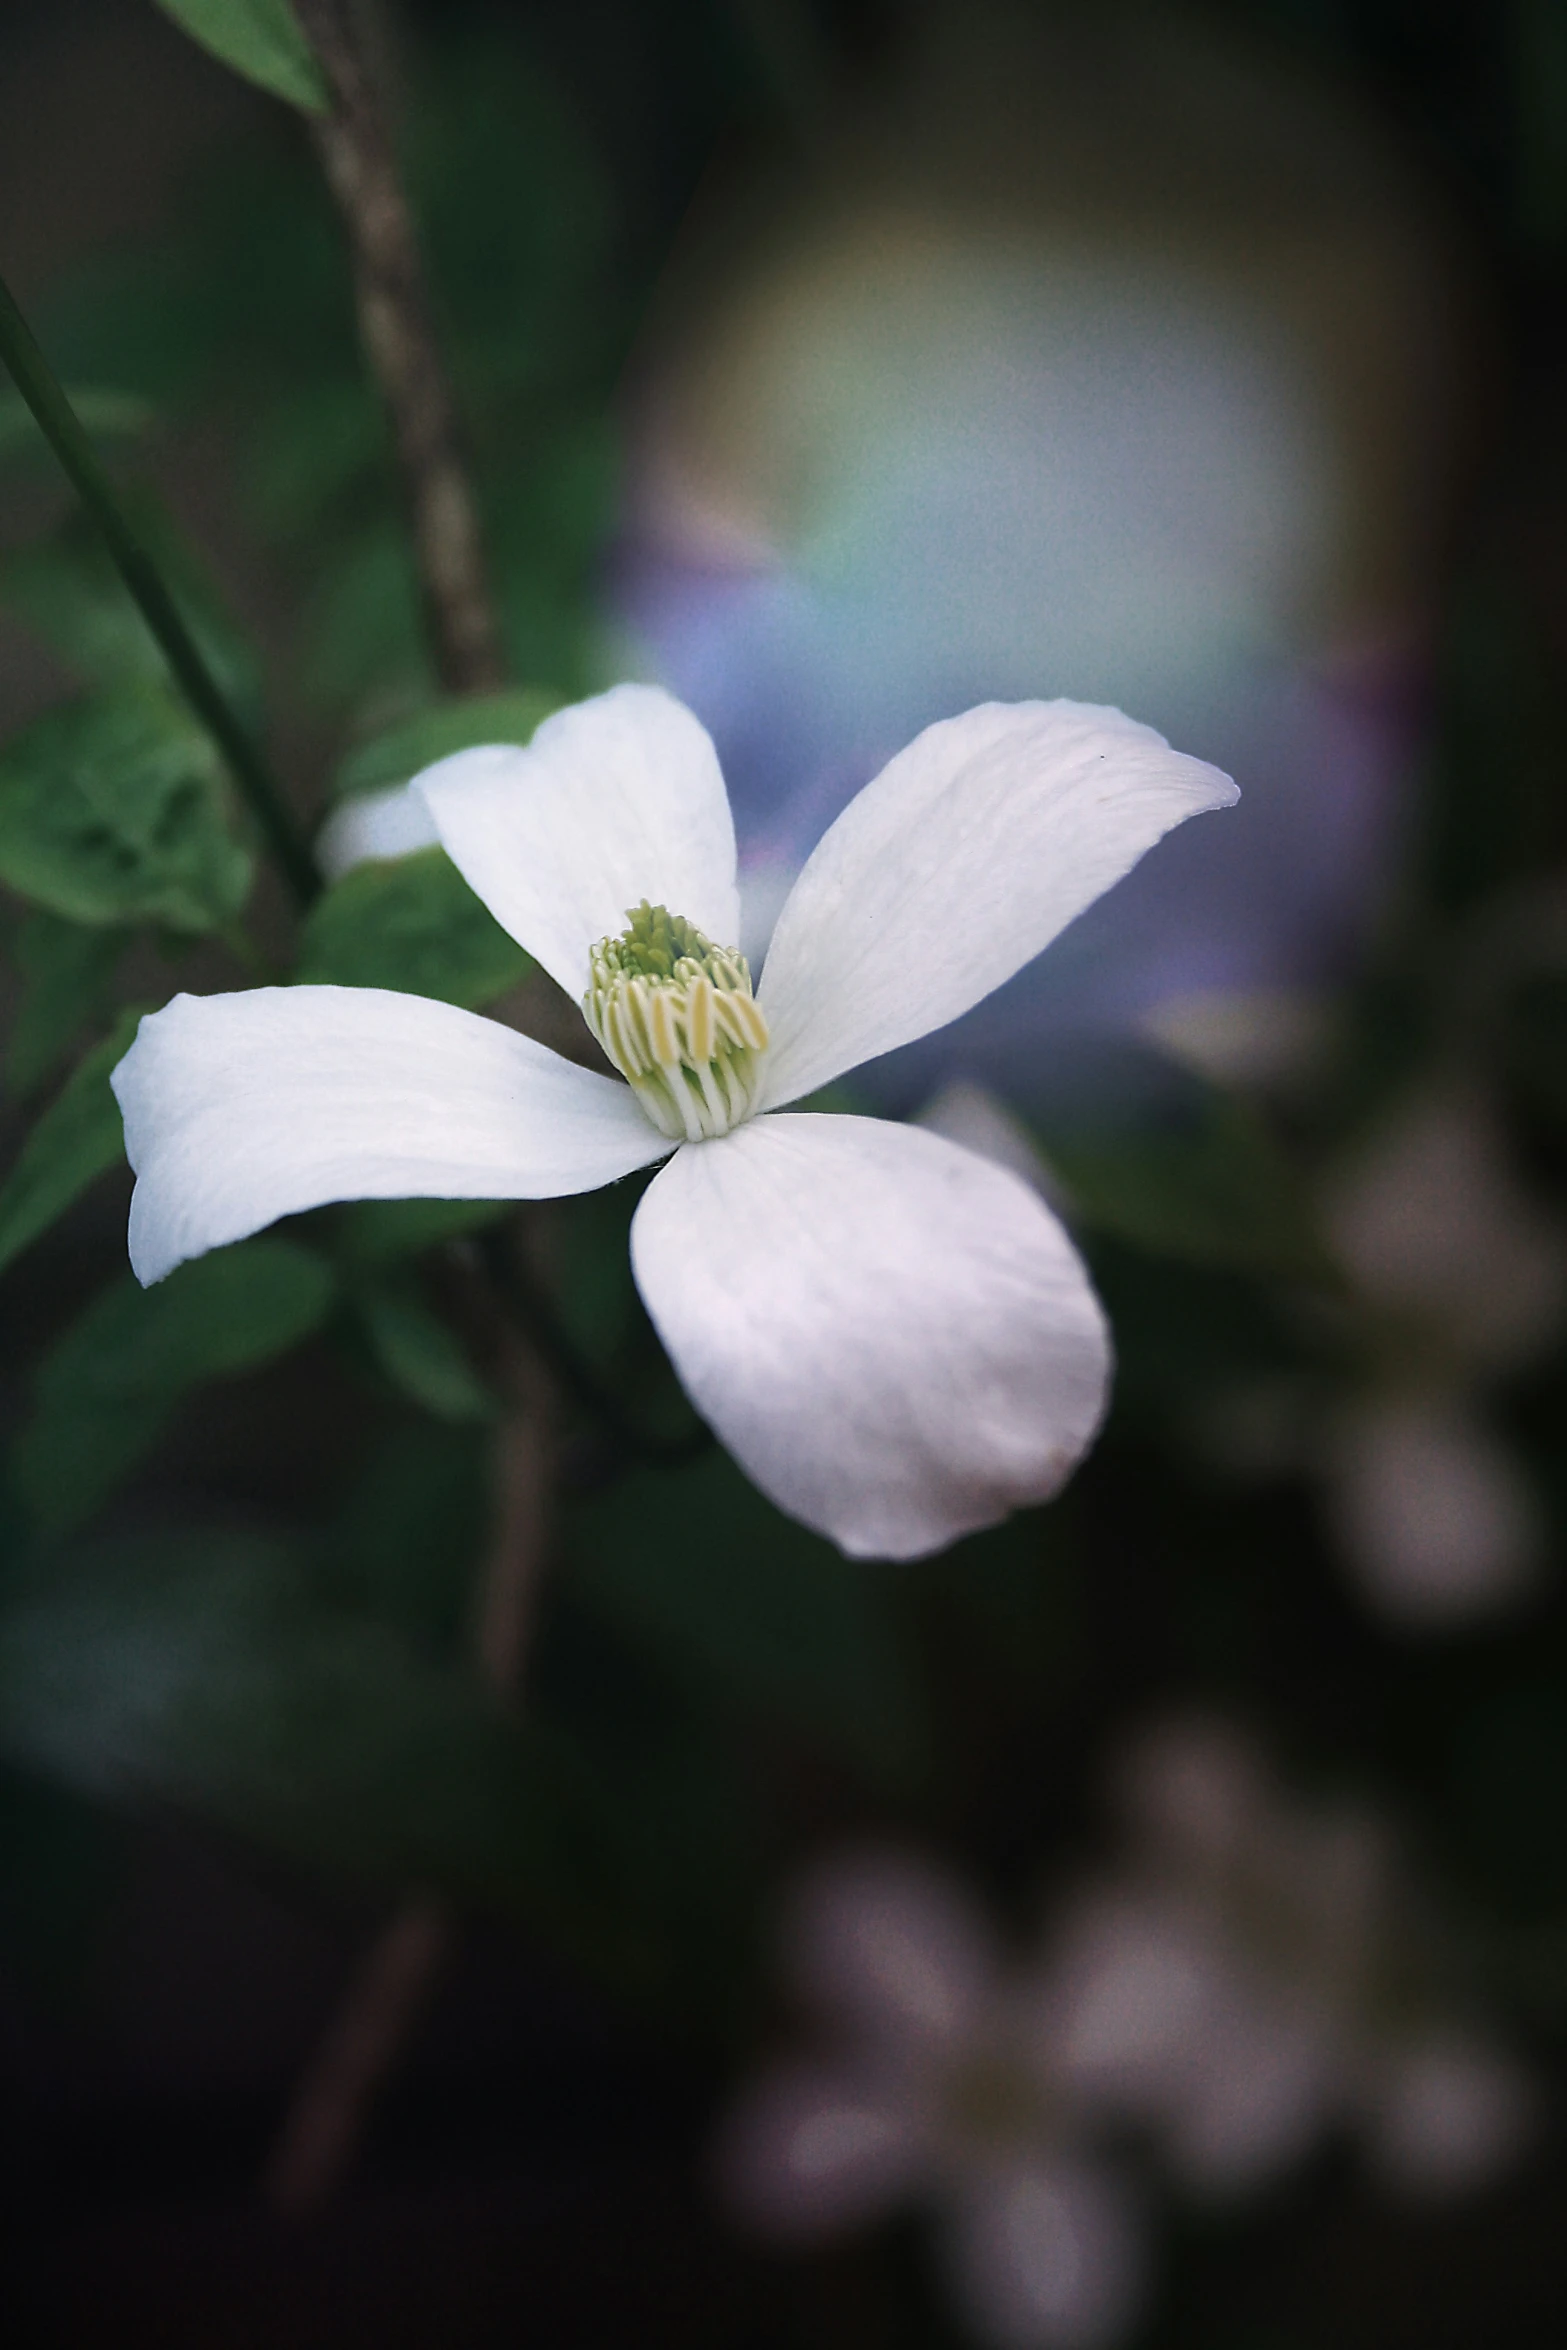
(61, 428)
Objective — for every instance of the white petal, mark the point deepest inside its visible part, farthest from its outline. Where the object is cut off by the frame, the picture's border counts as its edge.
(374, 825)
(886, 1944)
(1262, 2081)
(1047, 2255)
(808, 2150)
(613, 801)
(1196, 1787)
(1448, 2113)
(969, 853)
(979, 1121)
(1436, 1517)
(1431, 1220)
(1139, 1975)
(243, 1108)
(896, 1340)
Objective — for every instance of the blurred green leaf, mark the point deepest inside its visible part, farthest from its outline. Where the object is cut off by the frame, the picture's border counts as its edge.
(67, 972)
(419, 1353)
(1185, 1331)
(78, 1137)
(408, 1542)
(359, 635)
(318, 443)
(378, 1231)
(260, 39)
(209, 1673)
(410, 923)
(1199, 1178)
(752, 1610)
(67, 589)
(113, 810)
(109, 1385)
(521, 217)
(682, 1840)
(432, 734)
(59, 1872)
(105, 415)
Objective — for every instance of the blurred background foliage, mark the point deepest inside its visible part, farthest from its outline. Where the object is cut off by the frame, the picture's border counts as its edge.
(244, 1513)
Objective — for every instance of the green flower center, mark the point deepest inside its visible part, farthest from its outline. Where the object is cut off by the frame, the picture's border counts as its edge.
(676, 1016)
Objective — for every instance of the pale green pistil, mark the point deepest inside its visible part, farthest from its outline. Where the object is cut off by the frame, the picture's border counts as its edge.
(676, 1016)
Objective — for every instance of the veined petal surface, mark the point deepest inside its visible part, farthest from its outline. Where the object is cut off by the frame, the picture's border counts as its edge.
(615, 800)
(894, 1338)
(969, 853)
(243, 1108)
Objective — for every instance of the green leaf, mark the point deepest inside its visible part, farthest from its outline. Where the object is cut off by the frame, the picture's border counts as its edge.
(752, 1610)
(420, 1354)
(110, 1384)
(76, 1140)
(113, 810)
(67, 589)
(67, 973)
(410, 923)
(378, 1231)
(407, 1544)
(260, 39)
(105, 415)
(1200, 1178)
(209, 1673)
(391, 758)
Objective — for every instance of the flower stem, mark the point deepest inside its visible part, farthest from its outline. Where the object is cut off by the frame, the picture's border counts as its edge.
(360, 164)
(331, 2103)
(62, 429)
(329, 2106)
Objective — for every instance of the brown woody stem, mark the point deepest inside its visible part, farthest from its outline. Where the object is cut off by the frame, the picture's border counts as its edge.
(381, 2007)
(392, 1984)
(357, 154)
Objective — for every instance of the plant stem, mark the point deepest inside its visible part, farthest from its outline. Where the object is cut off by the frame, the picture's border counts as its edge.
(327, 2113)
(62, 428)
(357, 156)
(331, 2103)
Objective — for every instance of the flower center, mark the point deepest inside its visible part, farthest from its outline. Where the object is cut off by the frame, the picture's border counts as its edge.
(676, 1016)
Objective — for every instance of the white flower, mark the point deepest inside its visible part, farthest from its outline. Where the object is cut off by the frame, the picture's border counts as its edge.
(936, 2085)
(1462, 1279)
(369, 826)
(896, 1340)
(1255, 1976)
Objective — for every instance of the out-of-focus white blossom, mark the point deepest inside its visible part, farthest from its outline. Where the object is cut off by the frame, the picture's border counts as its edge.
(1433, 1225)
(1253, 1977)
(1454, 1278)
(1433, 1510)
(1445, 2114)
(934, 2082)
(1461, 1279)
